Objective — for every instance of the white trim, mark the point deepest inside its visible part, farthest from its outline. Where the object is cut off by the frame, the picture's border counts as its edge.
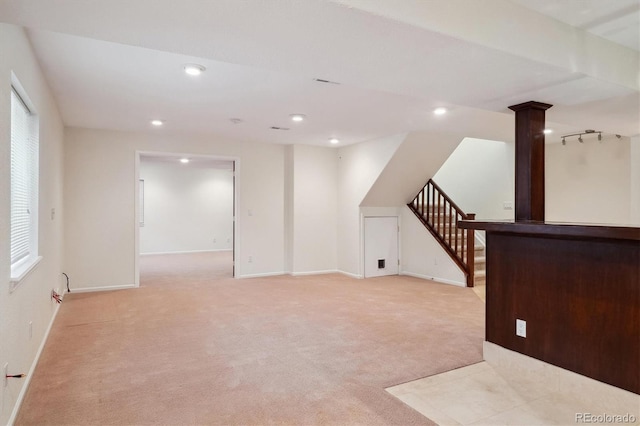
(349, 274)
(25, 270)
(184, 252)
(25, 386)
(436, 279)
(328, 271)
(266, 274)
(136, 228)
(104, 288)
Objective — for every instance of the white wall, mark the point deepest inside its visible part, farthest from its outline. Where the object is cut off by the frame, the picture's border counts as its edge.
(413, 163)
(422, 256)
(635, 180)
(359, 166)
(187, 207)
(100, 185)
(30, 301)
(589, 182)
(314, 220)
(479, 177)
(288, 208)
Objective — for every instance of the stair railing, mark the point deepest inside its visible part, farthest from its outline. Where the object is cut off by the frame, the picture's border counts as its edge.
(440, 215)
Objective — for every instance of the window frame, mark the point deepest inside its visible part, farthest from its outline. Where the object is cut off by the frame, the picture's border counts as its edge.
(30, 140)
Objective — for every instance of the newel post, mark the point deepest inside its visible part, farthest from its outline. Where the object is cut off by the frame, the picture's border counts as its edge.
(529, 199)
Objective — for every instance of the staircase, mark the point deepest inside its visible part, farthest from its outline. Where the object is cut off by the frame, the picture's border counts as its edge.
(440, 215)
(479, 269)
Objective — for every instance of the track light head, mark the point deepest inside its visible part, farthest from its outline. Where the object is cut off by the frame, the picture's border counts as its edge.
(580, 139)
(599, 136)
(618, 136)
(564, 142)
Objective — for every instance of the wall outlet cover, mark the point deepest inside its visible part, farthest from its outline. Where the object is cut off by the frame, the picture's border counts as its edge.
(521, 328)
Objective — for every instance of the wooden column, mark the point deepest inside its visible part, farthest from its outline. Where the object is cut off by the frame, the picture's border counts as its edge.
(529, 172)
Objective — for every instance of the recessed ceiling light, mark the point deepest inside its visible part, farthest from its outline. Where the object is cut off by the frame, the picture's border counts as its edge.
(440, 111)
(547, 131)
(184, 160)
(297, 117)
(157, 122)
(334, 141)
(194, 69)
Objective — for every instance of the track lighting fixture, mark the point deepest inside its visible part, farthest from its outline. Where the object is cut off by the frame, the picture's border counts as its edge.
(586, 132)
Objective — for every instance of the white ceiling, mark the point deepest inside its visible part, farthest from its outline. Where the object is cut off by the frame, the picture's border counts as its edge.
(614, 20)
(199, 161)
(117, 64)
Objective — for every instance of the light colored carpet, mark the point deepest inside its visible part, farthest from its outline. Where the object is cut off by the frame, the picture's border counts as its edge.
(189, 347)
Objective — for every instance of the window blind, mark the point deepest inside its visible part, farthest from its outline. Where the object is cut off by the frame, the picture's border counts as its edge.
(24, 181)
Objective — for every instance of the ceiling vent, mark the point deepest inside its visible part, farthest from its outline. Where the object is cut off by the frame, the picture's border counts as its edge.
(322, 80)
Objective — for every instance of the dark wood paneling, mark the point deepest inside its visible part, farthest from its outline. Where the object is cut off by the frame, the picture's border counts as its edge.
(581, 301)
(552, 229)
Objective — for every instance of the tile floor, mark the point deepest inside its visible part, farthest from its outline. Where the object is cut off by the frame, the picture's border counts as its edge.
(496, 393)
(482, 394)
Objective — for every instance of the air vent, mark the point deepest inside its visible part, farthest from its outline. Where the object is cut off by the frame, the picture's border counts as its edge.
(321, 80)
(279, 128)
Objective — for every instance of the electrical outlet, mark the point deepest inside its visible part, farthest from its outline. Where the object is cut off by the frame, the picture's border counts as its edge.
(6, 373)
(507, 205)
(215, 240)
(250, 259)
(521, 328)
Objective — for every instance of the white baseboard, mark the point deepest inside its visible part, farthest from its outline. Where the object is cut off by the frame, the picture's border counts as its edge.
(436, 279)
(266, 274)
(349, 274)
(104, 288)
(592, 393)
(184, 252)
(25, 386)
(327, 271)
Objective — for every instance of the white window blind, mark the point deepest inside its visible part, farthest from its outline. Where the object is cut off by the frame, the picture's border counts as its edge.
(24, 183)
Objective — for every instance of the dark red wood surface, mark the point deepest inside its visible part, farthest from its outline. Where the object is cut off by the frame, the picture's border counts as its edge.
(529, 173)
(578, 289)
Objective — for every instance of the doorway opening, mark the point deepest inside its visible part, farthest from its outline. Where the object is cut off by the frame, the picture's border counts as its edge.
(185, 216)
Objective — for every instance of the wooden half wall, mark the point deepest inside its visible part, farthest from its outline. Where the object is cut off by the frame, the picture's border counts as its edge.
(578, 289)
(576, 286)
